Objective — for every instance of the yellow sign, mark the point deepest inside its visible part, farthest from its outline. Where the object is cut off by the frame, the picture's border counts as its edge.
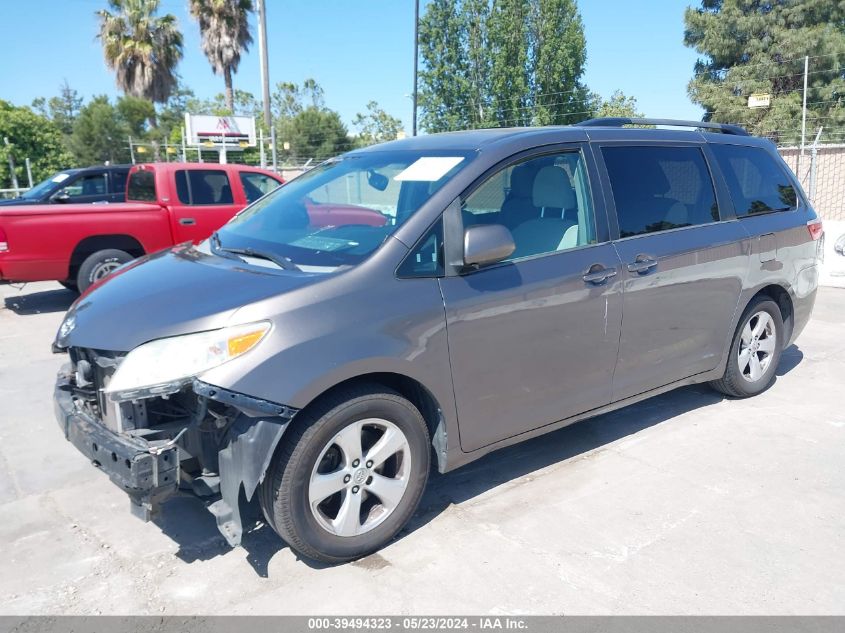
(244, 143)
(171, 150)
(760, 100)
(208, 144)
(141, 149)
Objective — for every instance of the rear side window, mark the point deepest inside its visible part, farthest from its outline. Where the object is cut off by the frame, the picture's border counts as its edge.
(118, 182)
(660, 188)
(256, 185)
(203, 187)
(142, 186)
(756, 182)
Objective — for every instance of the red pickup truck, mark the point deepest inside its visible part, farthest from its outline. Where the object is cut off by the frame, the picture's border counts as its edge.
(166, 204)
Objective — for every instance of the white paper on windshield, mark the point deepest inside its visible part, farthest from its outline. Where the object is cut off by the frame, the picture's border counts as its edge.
(61, 177)
(428, 168)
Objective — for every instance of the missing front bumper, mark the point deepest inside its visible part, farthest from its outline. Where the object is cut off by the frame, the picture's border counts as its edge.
(150, 473)
(147, 477)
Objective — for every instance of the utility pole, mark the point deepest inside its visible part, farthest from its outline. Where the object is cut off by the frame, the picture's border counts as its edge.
(804, 107)
(262, 54)
(11, 163)
(416, 59)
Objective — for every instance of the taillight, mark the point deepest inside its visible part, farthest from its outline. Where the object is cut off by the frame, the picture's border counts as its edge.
(4, 244)
(815, 228)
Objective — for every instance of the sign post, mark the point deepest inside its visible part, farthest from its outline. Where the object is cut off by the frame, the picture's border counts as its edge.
(226, 133)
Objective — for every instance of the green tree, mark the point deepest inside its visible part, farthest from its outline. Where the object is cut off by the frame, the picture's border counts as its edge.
(752, 47)
(444, 97)
(315, 134)
(376, 125)
(617, 106)
(135, 113)
(141, 48)
(62, 109)
(224, 26)
(500, 63)
(100, 134)
(510, 78)
(32, 136)
(557, 54)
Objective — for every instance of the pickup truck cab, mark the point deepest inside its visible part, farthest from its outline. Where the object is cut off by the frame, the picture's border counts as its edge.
(101, 183)
(167, 204)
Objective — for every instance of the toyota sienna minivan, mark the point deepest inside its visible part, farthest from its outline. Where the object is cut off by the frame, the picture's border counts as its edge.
(522, 280)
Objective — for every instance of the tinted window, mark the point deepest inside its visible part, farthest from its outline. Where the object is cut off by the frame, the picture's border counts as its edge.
(256, 185)
(118, 179)
(142, 186)
(426, 259)
(544, 202)
(203, 186)
(90, 185)
(660, 188)
(756, 182)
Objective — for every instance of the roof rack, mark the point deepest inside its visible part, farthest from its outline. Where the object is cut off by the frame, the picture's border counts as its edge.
(724, 128)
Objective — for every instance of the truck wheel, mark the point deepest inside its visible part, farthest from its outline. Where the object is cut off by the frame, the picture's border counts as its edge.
(348, 474)
(100, 265)
(755, 351)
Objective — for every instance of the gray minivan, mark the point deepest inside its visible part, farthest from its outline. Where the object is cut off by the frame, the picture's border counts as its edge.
(512, 282)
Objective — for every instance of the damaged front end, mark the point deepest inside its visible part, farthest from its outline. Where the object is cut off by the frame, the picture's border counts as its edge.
(191, 437)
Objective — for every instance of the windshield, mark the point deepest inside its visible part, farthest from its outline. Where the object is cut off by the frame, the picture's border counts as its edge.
(341, 211)
(45, 186)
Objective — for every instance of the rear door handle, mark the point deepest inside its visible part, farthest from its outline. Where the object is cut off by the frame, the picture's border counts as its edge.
(187, 221)
(598, 274)
(642, 264)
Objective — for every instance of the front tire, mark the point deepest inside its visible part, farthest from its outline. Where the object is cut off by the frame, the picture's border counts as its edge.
(100, 265)
(755, 350)
(348, 475)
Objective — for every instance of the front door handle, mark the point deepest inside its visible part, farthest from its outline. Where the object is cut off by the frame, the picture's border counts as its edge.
(598, 274)
(642, 264)
(187, 221)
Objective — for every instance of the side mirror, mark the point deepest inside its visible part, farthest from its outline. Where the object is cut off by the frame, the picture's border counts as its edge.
(487, 244)
(61, 197)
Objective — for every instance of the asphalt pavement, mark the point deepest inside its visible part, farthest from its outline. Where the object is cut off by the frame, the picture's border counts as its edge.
(688, 503)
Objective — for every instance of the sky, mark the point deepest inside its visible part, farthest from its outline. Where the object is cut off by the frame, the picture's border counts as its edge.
(357, 50)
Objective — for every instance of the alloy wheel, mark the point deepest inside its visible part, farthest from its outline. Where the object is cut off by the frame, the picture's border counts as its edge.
(360, 477)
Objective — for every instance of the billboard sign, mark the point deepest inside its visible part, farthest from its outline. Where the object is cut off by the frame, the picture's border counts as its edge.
(236, 132)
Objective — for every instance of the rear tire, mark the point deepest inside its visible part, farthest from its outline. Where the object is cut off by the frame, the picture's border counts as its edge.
(348, 474)
(755, 350)
(100, 265)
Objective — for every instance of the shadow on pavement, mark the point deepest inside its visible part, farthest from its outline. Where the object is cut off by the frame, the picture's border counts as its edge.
(41, 302)
(187, 522)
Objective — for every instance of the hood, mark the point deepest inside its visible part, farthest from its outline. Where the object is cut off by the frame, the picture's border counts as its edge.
(16, 202)
(174, 292)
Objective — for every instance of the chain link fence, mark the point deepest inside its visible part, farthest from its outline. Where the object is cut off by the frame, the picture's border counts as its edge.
(821, 171)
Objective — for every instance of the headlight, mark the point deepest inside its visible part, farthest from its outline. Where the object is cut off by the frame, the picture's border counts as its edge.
(165, 365)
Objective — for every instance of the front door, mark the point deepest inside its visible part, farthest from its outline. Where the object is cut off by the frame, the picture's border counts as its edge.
(533, 340)
(205, 203)
(683, 264)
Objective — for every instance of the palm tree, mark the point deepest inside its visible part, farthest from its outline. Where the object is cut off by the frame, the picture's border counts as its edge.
(141, 48)
(224, 25)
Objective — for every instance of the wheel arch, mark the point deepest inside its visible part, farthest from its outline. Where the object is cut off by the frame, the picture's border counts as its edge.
(780, 295)
(94, 243)
(411, 389)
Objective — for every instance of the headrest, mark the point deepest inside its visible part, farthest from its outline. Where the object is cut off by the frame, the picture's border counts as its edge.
(552, 189)
(521, 179)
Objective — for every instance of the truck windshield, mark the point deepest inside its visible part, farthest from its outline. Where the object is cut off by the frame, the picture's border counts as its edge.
(341, 211)
(45, 186)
